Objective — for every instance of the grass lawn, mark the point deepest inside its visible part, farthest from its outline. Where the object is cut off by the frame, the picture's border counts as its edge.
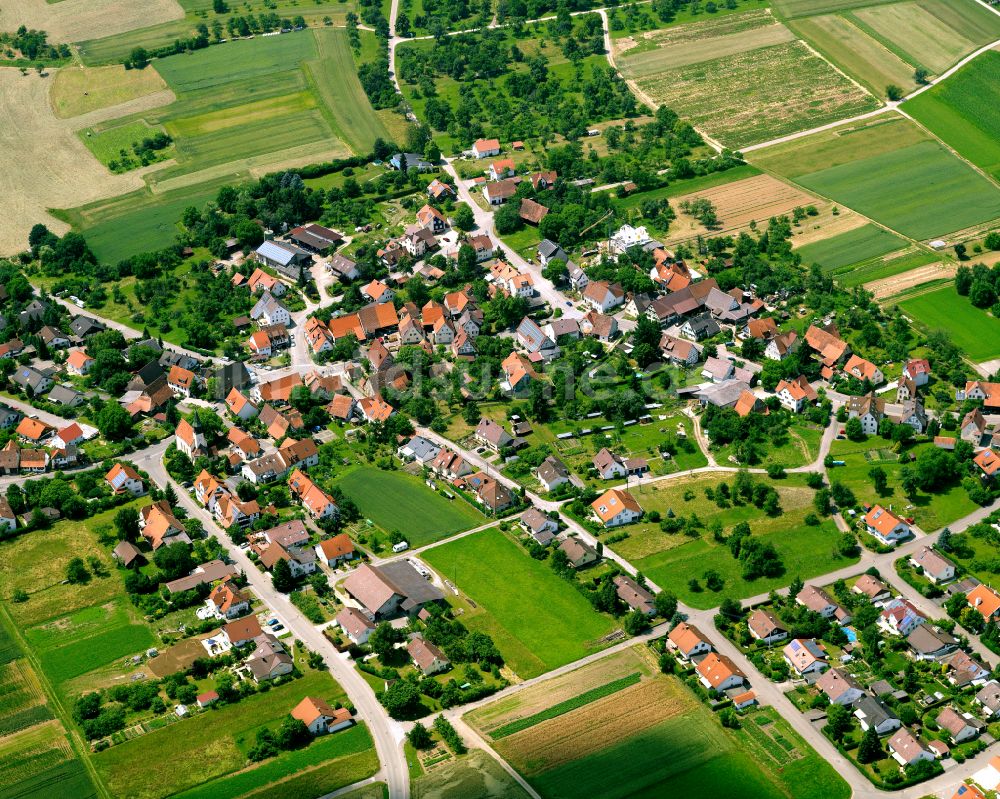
(655, 739)
(799, 448)
(963, 111)
(930, 511)
(179, 757)
(972, 329)
(922, 191)
(537, 620)
(400, 501)
(867, 241)
(671, 560)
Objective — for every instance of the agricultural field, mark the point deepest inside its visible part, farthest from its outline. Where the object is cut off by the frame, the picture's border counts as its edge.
(472, 776)
(803, 8)
(400, 501)
(890, 172)
(537, 619)
(973, 330)
(963, 111)
(654, 736)
(81, 90)
(743, 79)
(860, 244)
(112, 144)
(177, 758)
(39, 762)
(74, 20)
(930, 511)
(892, 274)
(673, 559)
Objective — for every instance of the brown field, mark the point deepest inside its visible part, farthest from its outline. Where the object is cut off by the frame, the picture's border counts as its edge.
(547, 693)
(178, 657)
(45, 163)
(77, 20)
(80, 90)
(738, 204)
(594, 727)
(826, 225)
(891, 286)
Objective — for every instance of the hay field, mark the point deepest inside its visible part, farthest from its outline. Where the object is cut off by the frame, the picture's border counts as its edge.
(79, 90)
(76, 20)
(45, 164)
(804, 8)
(853, 50)
(756, 95)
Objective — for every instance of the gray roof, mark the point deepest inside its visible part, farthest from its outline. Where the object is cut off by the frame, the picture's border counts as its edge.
(281, 252)
(410, 584)
(724, 394)
(549, 249)
(85, 326)
(925, 639)
(421, 448)
(875, 711)
(703, 326)
(63, 395)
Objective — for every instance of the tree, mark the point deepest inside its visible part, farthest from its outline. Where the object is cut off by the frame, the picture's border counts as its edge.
(137, 59)
(893, 92)
(114, 422)
(853, 429)
(666, 604)
(838, 722)
(920, 75)
(384, 638)
(821, 501)
(870, 748)
(292, 734)
(463, 217)
(635, 623)
(880, 480)
(76, 572)
(419, 736)
(127, 524)
(401, 699)
(281, 576)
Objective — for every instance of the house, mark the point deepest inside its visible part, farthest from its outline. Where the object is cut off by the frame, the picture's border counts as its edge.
(578, 552)
(634, 595)
(840, 687)
(404, 162)
(717, 369)
(601, 326)
(748, 403)
(869, 409)
(427, 657)
(333, 551)
(989, 464)
(79, 363)
(900, 617)
(871, 587)
(960, 727)
(65, 396)
(765, 626)
(885, 526)
(541, 180)
(530, 336)
(286, 259)
(986, 601)
(86, 326)
(315, 238)
(687, 641)
(355, 624)
(432, 219)
(181, 381)
(68, 436)
(871, 712)
(722, 395)
(550, 251)
(390, 588)
(795, 394)
(484, 148)
(906, 389)
(988, 698)
(483, 245)
(858, 367)
(934, 566)
(317, 502)
(204, 574)
(918, 370)
(489, 492)
(207, 698)
(678, 351)
(552, 473)
(539, 526)
(989, 393)
(189, 441)
(31, 380)
(626, 237)
(817, 600)
(608, 465)
(450, 465)
(603, 296)
(973, 427)
(531, 212)
(124, 478)
(227, 601)
(241, 407)
(269, 311)
(719, 673)
(319, 717)
(700, 327)
(963, 670)
(260, 281)
(806, 656)
(242, 631)
(616, 507)
(906, 749)
(761, 329)
(437, 189)
(160, 527)
(911, 412)
(503, 168)
(827, 343)
(492, 435)
(927, 642)
(498, 193)
(8, 521)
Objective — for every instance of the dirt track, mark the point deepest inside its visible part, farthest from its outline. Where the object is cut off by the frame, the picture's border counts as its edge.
(79, 20)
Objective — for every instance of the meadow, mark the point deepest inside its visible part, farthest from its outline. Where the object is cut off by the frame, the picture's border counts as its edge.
(107, 143)
(400, 501)
(674, 559)
(972, 329)
(744, 87)
(963, 111)
(860, 244)
(175, 759)
(79, 90)
(538, 620)
(802, 8)
(922, 191)
(655, 737)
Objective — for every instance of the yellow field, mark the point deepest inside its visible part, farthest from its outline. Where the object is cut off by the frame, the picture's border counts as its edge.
(21, 688)
(76, 20)
(916, 31)
(79, 90)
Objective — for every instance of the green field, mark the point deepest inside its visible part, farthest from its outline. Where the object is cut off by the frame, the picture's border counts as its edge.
(803, 8)
(922, 191)
(107, 143)
(965, 111)
(473, 776)
(883, 267)
(38, 763)
(179, 757)
(973, 330)
(860, 244)
(400, 501)
(674, 559)
(536, 618)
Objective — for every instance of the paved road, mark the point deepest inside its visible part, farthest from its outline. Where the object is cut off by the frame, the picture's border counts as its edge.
(57, 422)
(387, 734)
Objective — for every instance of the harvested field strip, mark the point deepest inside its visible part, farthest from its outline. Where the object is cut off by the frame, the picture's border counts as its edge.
(587, 730)
(918, 33)
(805, 8)
(710, 29)
(670, 57)
(32, 751)
(754, 199)
(565, 707)
(908, 268)
(852, 247)
(74, 20)
(20, 689)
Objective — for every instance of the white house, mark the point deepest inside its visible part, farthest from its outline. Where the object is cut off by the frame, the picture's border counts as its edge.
(884, 525)
(616, 507)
